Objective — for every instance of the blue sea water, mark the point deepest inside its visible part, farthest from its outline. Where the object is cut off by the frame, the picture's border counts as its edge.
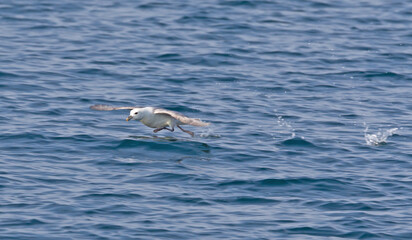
(310, 104)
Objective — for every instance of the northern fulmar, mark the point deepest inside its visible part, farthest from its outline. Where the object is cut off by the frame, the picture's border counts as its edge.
(157, 118)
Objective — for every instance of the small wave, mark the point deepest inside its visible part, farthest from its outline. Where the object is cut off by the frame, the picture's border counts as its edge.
(246, 200)
(276, 182)
(22, 222)
(298, 142)
(238, 3)
(8, 74)
(168, 56)
(169, 176)
(189, 200)
(125, 195)
(379, 138)
(24, 136)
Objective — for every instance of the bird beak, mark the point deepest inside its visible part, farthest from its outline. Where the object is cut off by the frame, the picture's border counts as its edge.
(128, 118)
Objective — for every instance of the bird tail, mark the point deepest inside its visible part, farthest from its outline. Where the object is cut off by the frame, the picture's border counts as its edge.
(198, 123)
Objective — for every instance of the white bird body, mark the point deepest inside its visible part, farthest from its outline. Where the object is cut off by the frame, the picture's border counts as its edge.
(157, 118)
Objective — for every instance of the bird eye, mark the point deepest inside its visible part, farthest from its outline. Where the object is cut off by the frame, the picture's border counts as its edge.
(135, 113)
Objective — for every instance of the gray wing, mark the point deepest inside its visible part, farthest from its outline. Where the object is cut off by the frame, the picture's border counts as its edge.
(102, 107)
(182, 118)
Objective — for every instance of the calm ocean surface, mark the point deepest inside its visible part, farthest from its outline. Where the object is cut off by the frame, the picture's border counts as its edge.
(310, 104)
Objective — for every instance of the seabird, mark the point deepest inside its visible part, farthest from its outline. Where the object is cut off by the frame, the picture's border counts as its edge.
(157, 118)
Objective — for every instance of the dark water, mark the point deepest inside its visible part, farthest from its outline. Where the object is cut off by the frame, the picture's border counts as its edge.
(310, 103)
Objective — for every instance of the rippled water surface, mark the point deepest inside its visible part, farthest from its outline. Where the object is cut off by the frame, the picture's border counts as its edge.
(310, 104)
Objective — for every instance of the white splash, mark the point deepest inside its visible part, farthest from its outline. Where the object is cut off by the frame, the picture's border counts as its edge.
(286, 126)
(380, 137)
(208, 132)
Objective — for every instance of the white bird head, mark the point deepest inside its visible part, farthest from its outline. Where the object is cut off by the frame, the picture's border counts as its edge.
(135, 114)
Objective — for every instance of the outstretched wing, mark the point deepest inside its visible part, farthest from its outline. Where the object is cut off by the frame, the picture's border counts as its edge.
(102, 107)
(182, 118)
